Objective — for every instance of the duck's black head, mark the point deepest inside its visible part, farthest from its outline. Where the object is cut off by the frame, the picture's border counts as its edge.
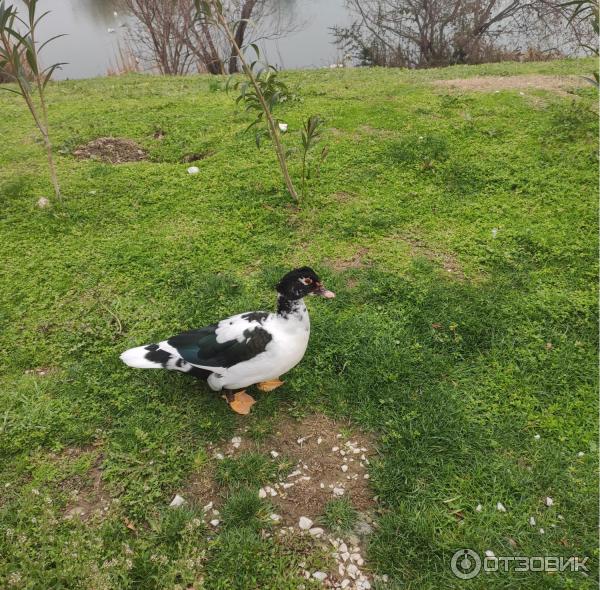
(301, 282)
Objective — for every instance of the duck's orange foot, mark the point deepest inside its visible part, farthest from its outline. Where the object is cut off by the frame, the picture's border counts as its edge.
(269, 385)
(241, 402)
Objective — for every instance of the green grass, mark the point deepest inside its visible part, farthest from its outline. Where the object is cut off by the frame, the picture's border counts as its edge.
(339, 515)
(455, 372)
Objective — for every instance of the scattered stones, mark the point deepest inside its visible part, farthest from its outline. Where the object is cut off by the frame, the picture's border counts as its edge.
(262, 493)
(316, 531)
(177, 501)
(215, 522)
(500, 507)
(542, 531)
(338, 491)
(532, 520)
(275, 517)
(580, 454)
(319, 576)
(344, 468)
(236, 441)
(193, 170)
(478, 508)
(548, 501)
(305, 523)
(274, 454)
(489, 553)
(537, 437)
(43, 203)
(208, 507)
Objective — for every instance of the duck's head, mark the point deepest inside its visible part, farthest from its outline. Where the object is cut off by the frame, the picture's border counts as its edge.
(301, 282)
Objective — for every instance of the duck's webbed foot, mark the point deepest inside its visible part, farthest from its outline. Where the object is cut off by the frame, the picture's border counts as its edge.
(269, 385)
(240, 402)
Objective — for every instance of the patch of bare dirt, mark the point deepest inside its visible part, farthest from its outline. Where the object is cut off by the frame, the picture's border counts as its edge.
(196, 157)
(447, 261)
(355, 261)
(558, 84)
(113, 150)
(41, 371)
(87, 496)
(343, 197)
(330, 461)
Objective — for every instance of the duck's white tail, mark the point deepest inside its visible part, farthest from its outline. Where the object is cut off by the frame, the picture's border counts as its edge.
(142, 357)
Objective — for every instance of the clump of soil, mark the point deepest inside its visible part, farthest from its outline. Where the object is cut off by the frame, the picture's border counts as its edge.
(355, 261)
(113, 150)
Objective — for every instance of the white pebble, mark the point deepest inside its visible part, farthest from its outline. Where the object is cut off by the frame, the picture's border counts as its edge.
(319, 576)
(345, 583)
(478, 508)
(500, 507)
(319, 440)
(207, 507)
(43, 202)
(285, 486)
(316, 531)
(548, 501)
(219, 456)
(341, 569)
(343, 548)
(236, 441)
(355, 557)
(542, 531)
(215, 522)
(305, 523)
(580, 454)
(366, 476)
(532, 520)
(193, 170)
(262, 493)
(338, 491)
(344, 468)
(274, 454)
(177, 501)
(301, 440)
(295, 473)
(342, 453)
(345, 556)
(335, 449)
(560, 517)
(352, 571)
(537, 437)
(321, 485)
(489, 553)
(283, 127)
(275, 517)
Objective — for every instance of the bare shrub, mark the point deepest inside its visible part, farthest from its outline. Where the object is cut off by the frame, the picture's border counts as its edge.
(430, 33)
(170, 38)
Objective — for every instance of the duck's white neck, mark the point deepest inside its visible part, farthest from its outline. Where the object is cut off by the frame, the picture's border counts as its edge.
(286, 308)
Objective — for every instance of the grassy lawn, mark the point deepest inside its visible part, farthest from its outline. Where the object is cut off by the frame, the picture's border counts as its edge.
(459, 230)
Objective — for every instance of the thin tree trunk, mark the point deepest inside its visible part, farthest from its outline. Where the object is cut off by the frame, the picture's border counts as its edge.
(273, 130)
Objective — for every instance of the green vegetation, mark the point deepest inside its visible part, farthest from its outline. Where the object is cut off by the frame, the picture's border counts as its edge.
(339, 515)
(458, 229)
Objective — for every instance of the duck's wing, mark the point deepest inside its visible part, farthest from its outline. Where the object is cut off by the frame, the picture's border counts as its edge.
(230, 342)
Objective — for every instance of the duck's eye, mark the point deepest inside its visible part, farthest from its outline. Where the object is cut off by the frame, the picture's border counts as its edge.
(306, 281)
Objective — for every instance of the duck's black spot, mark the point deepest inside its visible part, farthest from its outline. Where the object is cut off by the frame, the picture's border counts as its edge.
(200, 347)
(255, 316)
(156, 355)
(179, 362)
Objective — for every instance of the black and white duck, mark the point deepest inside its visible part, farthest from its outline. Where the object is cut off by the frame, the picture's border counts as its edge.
(252, 348)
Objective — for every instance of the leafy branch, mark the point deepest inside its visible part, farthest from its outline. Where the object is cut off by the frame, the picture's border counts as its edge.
(19, 57)
(262, 90)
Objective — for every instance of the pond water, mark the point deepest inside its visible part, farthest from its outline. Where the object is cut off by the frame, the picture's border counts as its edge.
(91, 49)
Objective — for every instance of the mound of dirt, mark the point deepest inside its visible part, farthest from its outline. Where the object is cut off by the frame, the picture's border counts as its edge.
(113, 150)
